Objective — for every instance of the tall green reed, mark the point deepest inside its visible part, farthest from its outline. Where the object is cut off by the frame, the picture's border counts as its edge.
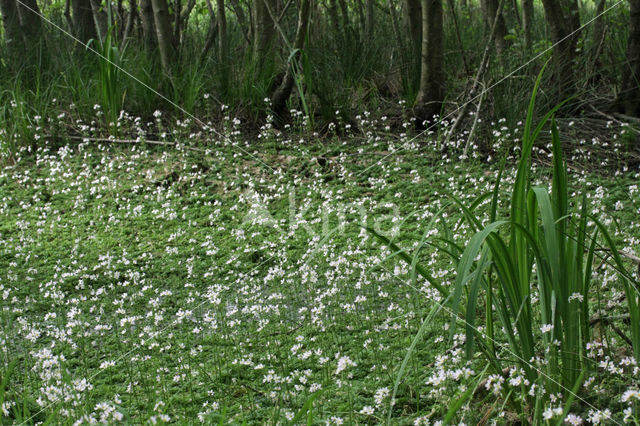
(534, 269)
(110, 60)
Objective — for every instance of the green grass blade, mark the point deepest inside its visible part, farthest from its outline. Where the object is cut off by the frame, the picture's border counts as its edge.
(405, 256)
(412, 347)
(464, 267)
(470, 318)
(306, 408)
(453, 409)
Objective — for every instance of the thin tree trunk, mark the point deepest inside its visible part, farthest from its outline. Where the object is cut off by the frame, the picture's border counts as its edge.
(119, 14)
(222, 31)
(477, 81)
(346, 23)
(282, 93)
(148, 25)
(630, 93)
(177, 8)
(186, 13)
(131, 18)
(11, 25)
(491, 9)
(83, 24)
(454, 15)
(516, 12)
(598, 25)
(527, 22)
(212, 32)
(431, 93)
(562, 27)
(413, 13)
(242, 19)
(67, 16)
(362, 19)
(163, 33)
(264, 31)
(223, 46)
(99, 18)
(369, 19)
(30, 21)
(396, 30)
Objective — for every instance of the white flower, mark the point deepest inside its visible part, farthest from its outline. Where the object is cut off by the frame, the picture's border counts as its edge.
(367, 409)
(547, 414)
(576, 296)
(572, 419)
(343, 363)
(380, 395)
(546, 328)
(629, 394)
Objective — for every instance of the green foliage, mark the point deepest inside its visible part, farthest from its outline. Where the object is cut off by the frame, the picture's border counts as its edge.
(535, 278)
(110, 61)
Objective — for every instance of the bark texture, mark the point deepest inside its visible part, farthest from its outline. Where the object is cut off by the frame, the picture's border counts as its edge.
(83, 25)
(163, 32)
(222, 32)
(370, 18)
(431, 93)
(564, 21)
(630, 93)
(264, 30)
(148, 25)
(30, 21)
(413, 15)
(490, 10)
(99, 18)
(11, 25)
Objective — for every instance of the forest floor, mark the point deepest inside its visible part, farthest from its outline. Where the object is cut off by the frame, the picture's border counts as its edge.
(161, 284)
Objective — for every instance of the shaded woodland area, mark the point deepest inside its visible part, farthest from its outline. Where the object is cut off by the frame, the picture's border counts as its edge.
(439, 58)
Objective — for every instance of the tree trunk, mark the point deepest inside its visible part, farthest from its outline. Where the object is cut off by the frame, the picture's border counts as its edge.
(163, 33)
(490, 9)
(99, 18)
(177, 8)
(131, 18)
(629, 97)
(369, 19)
(30, 21)
(598, 25)
(242, 19)
(11, 25)
(222, 31)
(413, 13)
(527, 22)
(431, 93)
(83, 25)
(212, 32)
(148, 25)
(516, 12)
(282, 93)
(563, 27)
(362, 19)
(223, 46)
(264, 31)
(346, 23)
